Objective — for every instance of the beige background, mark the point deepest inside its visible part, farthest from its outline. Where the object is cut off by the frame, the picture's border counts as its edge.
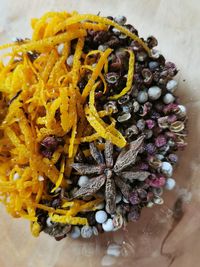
(176, 23)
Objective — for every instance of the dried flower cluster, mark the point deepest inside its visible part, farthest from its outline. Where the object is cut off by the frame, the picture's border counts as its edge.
(151, 119)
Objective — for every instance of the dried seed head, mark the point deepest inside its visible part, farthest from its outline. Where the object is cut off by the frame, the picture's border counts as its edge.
(124, 117)
(112, 77)
(136, 106)
(177, 126)
(152, 41)
(155, 162)
(148, 76)
(153, 65)
(163, 122)
(157, 182)
(134, 198)
(118, 222)
(124, 99)
(111, 106)
(181, 112)
(150, 124)
(132, 130)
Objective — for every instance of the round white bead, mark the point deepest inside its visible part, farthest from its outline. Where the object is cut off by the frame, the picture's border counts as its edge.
(114, 250)
(75, 233)
(167, 168)
(158, 200)
(142, 97)
(16, 176)
(101, 216)
(108, 260)
(108, 225)
(154, 92)
(182, 110)
(70, 60)
(86, 231)
(60, 48)
(82, 180)
(168, 98)
(172, 86)
(40, 178)
(170, 184)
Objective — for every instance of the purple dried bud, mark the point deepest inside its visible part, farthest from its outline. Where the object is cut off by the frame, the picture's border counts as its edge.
(142, 193)
(170, 108)
(170, 135)
(155, 115)
(172, 118)
(150, 196)
(171, 68)
(143, 166)
(173, 158)
(150, 124)
(157, 182)
(50, 143)
(161, 141)
(150, 148)
(134, 214)
(133, 198)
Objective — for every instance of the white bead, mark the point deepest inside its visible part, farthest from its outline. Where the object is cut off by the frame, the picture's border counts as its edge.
(182, 110)
(118, 198)
(70, 60)
(168, 98)
(16, 176)
(40, 178)
(154, 92)
(101, 216)
(108, 260)
(172, 86)
(48, 222)
(60, 48)
(142, 97)
(167, 168)
(86, 231)
(82, 181)
(170, 184)
(108, 225)
(114, 250)
(75, 233)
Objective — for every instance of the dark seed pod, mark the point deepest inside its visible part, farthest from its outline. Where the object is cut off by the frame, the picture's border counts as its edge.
(152, 41)
(112, 77)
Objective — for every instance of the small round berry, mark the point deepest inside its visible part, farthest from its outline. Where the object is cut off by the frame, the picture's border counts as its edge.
(168, 98)
(101, 216)
(172, 86)
(142, 97)
(182, 111)
(83, 180)
(70, 60)
(167, 168)
(75, 233)
(86, 231)
(154, 92)
(170, 184)
(108, 225)
(121, 20)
